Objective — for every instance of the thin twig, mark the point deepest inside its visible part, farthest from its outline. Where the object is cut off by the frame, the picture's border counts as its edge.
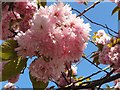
(95, 65)
(98, 24)
(70, 71)
(63, 74)
(55, 83)
(92, 42)
(107, 76)
(94, 83)
(92, 6)
(92, 75)
(109, 31)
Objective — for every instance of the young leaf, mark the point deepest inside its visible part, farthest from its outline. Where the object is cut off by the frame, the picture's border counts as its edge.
(94, 54)
(96, 60)
(41, 3)
(88, 79)
(13, 68)
(7, 50)
(37, 85)
(100, 47)
(86, 3)
(116, 9)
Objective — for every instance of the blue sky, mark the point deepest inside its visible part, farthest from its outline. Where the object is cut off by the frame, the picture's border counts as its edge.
(101, 14)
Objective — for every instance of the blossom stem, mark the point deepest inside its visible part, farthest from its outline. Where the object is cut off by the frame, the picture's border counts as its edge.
(63, 74)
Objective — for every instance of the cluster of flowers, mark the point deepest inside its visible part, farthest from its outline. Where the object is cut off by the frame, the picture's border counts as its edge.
(110, 54)
(16, 16)
(56, 36)
(101, 37)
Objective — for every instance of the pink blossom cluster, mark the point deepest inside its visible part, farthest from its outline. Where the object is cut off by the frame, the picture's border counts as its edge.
(57, 35)
(17, 19)
(7, 19)
(101, 37)
(110, 55)
(26, 11)
(44, 70)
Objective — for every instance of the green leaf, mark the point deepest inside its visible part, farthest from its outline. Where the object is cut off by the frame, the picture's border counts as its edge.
(13, 67)
(96, 61)
(88, 79)
(116, 9)
(7, 50)
(83, 55)
(114, 42)
(100, 47)
(86, 3)
(108, 87)
(41, 3)
(94, 54)
(37, 85)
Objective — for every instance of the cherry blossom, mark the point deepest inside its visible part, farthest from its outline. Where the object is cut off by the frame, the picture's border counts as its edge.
(56, 35)
(101, 37)
(17, 19)
(110, 55)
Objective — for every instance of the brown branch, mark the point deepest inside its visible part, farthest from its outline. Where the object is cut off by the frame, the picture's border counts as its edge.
(94, 64)
(91, 75)
(109, 31)
(92, 42)
(98, 24)
(63, 74)
(92, 6)
(94, 83)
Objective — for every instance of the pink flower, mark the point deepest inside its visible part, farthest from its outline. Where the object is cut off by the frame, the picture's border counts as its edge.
(74, 70)
(56, 34)
(101, 37)
(110, 56)
(46, 70)
(26, 10)
(9, 24)
(17, 20)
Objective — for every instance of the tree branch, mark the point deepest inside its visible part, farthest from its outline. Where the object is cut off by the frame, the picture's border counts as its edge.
(92, 75)
(63, 74)
(98, 24)
(92, 6)
(94, 83)
(94, 64)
